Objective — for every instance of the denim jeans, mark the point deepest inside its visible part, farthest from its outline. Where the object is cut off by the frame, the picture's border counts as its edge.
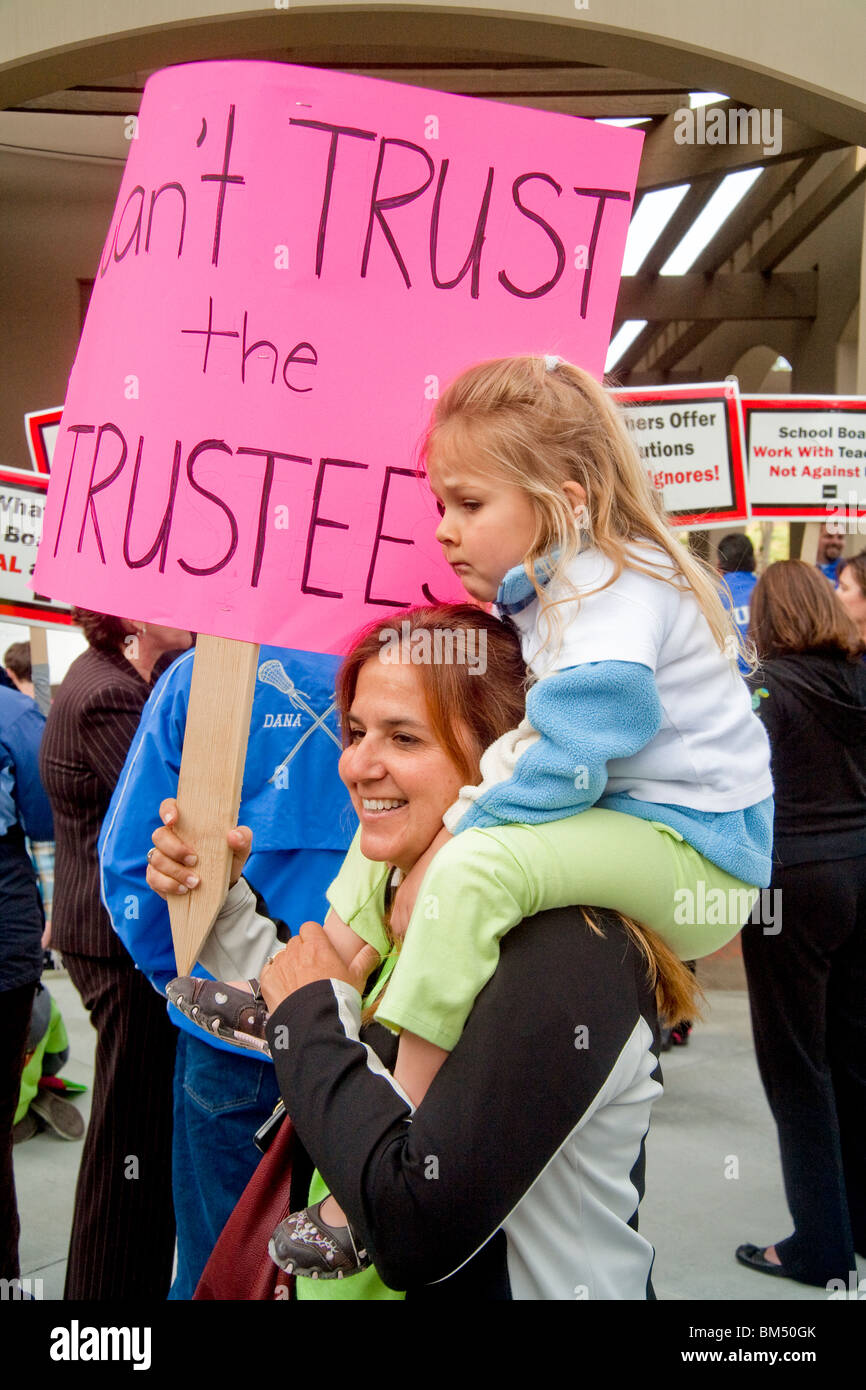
(220, 1100)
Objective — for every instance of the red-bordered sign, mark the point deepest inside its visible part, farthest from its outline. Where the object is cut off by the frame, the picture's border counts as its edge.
(41, 428)
(807, 456)
(22, 507)
(691, 440)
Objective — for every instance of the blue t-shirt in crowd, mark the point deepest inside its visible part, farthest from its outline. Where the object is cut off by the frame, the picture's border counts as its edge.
(829, 569)
(741, 585)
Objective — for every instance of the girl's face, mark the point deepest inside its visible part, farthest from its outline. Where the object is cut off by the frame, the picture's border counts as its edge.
(853, 597)
(488, 525)
(400, 778)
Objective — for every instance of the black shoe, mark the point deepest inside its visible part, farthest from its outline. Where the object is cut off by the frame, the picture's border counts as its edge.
(753, 1257)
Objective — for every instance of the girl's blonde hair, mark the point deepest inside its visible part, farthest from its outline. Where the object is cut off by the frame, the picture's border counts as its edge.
(540, 422)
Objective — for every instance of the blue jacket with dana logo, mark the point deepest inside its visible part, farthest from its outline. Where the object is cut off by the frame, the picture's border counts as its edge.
(292, 799)
(741, 584)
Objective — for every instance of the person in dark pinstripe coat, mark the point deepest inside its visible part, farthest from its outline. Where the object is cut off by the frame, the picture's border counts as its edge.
(122, 1242)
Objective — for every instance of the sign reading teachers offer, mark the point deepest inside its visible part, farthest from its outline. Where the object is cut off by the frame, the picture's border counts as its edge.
(298, 263)
(807, 457)
(691, 439)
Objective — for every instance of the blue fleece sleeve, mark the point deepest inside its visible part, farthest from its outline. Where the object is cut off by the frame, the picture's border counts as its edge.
(586, 716)
(149, 774)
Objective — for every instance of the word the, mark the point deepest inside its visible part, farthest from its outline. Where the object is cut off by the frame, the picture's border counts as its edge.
(75, 1343)
(713, 125)
(441, 647)
(303, 354)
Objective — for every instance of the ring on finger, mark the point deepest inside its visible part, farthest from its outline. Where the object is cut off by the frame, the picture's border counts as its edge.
(150, 852)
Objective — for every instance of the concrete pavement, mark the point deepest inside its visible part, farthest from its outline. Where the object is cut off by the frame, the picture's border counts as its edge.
(713, 1177)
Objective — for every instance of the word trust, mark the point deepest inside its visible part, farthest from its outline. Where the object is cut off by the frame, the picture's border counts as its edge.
(715, 125)
(440, 647)
(715, 907)
(76, 1343)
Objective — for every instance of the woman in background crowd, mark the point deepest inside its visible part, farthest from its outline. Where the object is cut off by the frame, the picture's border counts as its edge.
(807, 977)
(122, 1242)
(852, 589)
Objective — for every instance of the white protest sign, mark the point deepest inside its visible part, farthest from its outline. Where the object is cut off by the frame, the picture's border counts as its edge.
(22, 508)
(807, 457)
(691, 440)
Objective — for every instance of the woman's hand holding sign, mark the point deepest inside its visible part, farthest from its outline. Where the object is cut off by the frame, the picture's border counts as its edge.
(171, 863)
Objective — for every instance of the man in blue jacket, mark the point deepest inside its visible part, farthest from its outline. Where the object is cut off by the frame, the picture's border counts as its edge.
(831, 543)
(302, 823)
(24, 810)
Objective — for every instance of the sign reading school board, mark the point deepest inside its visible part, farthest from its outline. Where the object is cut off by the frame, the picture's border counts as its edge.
(691, 440)
(298, 263)
(807, 457)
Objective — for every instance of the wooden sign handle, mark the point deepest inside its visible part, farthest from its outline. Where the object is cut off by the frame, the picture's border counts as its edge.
(209, 786)
(39, 669)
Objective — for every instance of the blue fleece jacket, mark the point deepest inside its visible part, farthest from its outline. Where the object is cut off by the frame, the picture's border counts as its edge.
(587, 716)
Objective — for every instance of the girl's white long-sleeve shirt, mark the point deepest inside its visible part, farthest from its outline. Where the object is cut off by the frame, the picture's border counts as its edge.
(634, 709)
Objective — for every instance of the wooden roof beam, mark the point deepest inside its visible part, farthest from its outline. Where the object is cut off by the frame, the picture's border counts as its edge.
(693, 203)
(762, 199)
(637, 350)
(683, 345)
(701, 297)
(666, 161)
(836, 187)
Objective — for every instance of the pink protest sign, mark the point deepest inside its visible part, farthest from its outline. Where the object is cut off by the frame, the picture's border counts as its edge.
(298, 261)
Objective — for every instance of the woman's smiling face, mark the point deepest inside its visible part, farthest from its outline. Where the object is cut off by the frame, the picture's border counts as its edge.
(400, 778)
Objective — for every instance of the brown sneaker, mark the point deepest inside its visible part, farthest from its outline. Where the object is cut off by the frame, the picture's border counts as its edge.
(306, 1245)
(235, 1015)
(26, 1128)
(58, 1115)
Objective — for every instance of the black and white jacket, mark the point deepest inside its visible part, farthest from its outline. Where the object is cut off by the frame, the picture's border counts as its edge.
(520, 1174)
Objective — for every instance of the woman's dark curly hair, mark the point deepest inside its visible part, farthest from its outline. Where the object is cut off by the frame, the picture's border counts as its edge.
(102, 631)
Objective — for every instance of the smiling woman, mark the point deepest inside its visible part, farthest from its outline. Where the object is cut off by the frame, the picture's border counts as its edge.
(396, 771)
(534, 1200)
(414, 734)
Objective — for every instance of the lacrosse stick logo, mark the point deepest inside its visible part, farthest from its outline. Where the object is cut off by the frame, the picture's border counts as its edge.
(273, 673)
